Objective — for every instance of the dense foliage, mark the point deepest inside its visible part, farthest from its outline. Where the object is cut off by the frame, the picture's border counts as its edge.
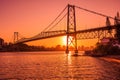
(103, 50)
(25, 47)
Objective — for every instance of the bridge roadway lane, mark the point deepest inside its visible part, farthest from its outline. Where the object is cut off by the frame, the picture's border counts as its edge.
(57, 66)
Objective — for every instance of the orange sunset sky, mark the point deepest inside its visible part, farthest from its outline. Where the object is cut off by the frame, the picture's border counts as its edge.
(30, 17)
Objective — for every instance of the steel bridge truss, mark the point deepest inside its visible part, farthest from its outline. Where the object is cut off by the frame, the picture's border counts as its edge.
(81, 34)
(43, 35)
(96, 33)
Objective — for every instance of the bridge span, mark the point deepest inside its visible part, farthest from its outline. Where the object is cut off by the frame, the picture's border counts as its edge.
(81, 34)
(99, 32)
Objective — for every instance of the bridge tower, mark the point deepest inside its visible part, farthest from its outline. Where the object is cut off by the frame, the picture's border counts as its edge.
(108, 24)
(117, 25)
(71, 28)
(15, 36)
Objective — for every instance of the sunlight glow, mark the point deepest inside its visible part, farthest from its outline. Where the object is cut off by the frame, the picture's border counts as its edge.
(64, 40)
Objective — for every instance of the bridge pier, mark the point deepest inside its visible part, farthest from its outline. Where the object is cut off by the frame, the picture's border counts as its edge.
(75, 52)
(67, 51)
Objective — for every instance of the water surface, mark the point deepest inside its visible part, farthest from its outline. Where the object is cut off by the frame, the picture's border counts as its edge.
(55, 66)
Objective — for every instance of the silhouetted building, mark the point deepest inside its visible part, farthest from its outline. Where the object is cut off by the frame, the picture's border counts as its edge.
(1, 42)
(105, 41)
(112, 41)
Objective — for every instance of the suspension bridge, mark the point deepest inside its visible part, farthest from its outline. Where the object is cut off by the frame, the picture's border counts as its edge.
(100, 32)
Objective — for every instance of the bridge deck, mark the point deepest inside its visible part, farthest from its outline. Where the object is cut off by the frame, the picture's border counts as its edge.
(51, 34)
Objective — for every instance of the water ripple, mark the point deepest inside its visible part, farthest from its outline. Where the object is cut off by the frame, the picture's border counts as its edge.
(55, 67)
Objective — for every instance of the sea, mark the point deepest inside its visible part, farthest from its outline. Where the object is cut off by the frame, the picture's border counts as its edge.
(55, 65)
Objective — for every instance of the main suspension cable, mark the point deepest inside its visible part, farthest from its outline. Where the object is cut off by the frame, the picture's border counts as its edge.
(57, 22)
(55, 19)
(95, 12)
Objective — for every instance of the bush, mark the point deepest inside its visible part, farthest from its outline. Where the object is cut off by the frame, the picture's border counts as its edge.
(103, 50)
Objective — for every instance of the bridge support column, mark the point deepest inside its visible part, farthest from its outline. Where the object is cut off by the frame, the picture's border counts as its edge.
(67, 45)
(117, 25)
(71, 28)
(15, 37)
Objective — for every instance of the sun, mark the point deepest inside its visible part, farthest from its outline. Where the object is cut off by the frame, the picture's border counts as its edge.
(64, 40)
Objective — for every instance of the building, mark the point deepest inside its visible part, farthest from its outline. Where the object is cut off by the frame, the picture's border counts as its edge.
(1, 42)
(112, 41)
(105, 41)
